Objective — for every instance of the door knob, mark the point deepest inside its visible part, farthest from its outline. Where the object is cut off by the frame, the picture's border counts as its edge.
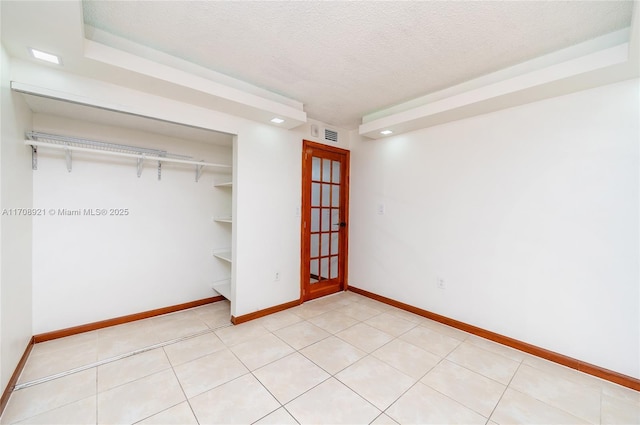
(341, 224)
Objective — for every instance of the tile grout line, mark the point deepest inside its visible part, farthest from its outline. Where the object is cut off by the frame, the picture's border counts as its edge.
(96, 397)
(315, 364)
(298, 351)
(558, 407)
(506, 386)
(383, 411)
(418, 381)
(181, 388)
(505, 390)
(301, 354)
(368, 354)
(600, 393)
(250, 372)
(112, 359)
(520, 362)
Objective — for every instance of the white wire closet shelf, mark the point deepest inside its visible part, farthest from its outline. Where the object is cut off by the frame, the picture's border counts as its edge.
(69, 144)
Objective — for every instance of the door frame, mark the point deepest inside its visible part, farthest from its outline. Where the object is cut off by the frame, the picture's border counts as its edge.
(305, 221)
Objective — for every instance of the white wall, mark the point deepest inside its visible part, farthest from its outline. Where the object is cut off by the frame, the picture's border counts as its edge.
(266, 190)
(15, 231)
(267, 224)
(269, 172)
(90, 268)
(161, 254)
(530, 215)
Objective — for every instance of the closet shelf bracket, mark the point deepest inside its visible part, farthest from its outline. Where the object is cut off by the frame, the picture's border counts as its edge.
(34, 157)
(139, 165)
(67, 157)
(199, 169)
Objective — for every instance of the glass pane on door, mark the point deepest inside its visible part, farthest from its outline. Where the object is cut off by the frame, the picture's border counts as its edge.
(324, 245)
(315, 194)
(335, 219)
(315, 246)
(315, 168)
(326, 170)
(324, 268)
(325, 229)
(314, 271)
(315, 219)
(326, 195)
(334, 243)
(335, 195)
(326, 220)
(335, 176)
(334, 267)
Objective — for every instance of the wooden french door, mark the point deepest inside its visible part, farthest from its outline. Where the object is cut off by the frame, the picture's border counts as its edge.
(325, 212)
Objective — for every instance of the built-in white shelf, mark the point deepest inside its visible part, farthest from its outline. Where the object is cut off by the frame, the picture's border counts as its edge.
(225, 183)
(223, 254)
(223, 288)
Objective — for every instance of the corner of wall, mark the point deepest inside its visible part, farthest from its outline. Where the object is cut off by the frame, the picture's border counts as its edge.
(16, 192)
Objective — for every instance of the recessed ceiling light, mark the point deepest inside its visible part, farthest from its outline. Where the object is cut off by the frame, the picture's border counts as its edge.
(277, 120)
(386, 132)
(38, 54)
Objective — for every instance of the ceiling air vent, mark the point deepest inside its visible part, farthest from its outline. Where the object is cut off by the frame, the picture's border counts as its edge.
(330, 135)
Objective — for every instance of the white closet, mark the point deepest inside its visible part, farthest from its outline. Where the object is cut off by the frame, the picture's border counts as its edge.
(176, 193)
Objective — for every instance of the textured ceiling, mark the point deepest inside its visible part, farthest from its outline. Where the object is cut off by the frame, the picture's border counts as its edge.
(344, 60)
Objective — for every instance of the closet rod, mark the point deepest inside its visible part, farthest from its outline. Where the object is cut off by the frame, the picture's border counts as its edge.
(128, 155)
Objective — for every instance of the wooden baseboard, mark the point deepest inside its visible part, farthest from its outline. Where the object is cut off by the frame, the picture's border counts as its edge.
(123, 319)
(262, 313)
(16, 374)
(585, 367)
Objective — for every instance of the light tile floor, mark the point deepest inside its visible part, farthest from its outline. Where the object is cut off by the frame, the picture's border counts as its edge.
(342, 359)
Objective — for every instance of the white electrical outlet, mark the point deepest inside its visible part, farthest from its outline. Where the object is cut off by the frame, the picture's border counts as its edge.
(381, 209)
(440, 283)
(276, 276)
